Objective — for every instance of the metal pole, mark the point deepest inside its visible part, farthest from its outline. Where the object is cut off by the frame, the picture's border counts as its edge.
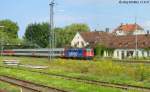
(51, 31)
(136, 39)
(2, 40)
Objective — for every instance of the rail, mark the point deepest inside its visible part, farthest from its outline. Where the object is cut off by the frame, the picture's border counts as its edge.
(101, 83)
(29, 85)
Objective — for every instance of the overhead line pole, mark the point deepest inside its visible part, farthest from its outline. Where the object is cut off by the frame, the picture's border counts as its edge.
(136, 38)
(51, 31)
(2, 40)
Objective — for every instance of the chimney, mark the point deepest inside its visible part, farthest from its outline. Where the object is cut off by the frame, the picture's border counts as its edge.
(121, 24)
(107, 30)
(147, 32)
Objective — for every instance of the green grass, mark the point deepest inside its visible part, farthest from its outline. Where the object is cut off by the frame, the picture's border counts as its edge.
(69, 85)
(8, 87)
(135, 74)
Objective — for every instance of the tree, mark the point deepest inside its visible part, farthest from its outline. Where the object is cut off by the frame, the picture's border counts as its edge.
(37, 34)
(59, 37)
(69, 32)
(99, 50)
(10, 28)
(9, 32)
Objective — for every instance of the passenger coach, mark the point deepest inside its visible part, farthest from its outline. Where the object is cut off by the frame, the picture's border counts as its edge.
(82, 53)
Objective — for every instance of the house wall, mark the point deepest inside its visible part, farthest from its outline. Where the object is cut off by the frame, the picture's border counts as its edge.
(78, 41)
(127, 53)
(130, 53)
(138, 32)
(120, 33)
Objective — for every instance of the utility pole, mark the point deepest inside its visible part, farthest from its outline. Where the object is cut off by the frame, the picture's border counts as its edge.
(2, 40)
(51, 31)
(136, 38)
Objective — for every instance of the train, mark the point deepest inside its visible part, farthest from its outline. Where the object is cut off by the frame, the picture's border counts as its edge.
(78, 53)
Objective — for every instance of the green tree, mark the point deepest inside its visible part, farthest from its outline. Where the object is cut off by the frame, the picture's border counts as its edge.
(59, 37)
(10, 28)
(99, 50)
(37, 34)
(9, 32)
(69, 32)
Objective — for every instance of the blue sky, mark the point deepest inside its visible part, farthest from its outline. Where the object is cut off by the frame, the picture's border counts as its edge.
(98, 14)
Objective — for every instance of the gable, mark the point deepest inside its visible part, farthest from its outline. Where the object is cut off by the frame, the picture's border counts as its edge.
(128, 28)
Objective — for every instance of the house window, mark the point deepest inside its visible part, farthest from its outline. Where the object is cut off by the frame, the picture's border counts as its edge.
(137, 53)
(143, 53)
(82, 44)
(148, 53)
(122, 55)
(117, 53)
(129, 53)
(77, 43)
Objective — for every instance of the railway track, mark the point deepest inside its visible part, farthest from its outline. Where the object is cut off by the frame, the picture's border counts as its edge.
(33, 87)
(133, 61)
(101, 83)
(93, 82)
(2, 90)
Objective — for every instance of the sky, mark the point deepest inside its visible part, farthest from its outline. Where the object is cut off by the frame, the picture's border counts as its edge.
(98, 14)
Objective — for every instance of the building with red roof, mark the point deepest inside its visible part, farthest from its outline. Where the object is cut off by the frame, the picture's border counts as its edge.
(125, 45)
(129, 29)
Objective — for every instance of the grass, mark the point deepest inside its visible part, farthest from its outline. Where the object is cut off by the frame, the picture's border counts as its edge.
(135, 74)
(69, 85)
(8, 87)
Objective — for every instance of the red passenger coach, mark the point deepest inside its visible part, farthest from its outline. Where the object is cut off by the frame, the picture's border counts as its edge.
(8, 52)
(75, 53)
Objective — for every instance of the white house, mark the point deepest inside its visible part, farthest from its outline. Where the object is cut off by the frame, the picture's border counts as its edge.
(129, 29)
(125, 46)
(132, 46)
(78, 41)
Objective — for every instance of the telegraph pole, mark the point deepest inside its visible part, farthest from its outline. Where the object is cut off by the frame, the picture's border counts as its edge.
(2, 40)
(51, 31)
(136, 39)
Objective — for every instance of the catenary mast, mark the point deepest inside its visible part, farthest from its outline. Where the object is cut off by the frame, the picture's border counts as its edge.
(51, 31)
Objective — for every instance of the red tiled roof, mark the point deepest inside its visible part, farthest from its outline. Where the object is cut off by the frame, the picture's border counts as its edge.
(128, 27)
(112, 41)
(94, 37)
(129, 41)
